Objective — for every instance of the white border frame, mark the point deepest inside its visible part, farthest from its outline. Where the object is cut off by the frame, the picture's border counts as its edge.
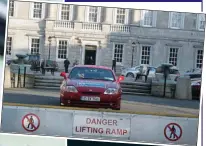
(200, 137)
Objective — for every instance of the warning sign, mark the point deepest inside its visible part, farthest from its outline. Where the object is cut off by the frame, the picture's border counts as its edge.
(30, 122)
(101, 126)
(173, 132)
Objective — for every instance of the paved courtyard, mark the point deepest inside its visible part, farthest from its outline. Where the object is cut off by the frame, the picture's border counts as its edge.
(130, 103)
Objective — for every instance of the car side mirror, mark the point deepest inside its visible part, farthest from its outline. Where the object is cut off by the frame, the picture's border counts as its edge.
(120, 78)
(63, 74)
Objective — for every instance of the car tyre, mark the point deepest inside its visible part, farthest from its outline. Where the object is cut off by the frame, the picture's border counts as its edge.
(130, 75)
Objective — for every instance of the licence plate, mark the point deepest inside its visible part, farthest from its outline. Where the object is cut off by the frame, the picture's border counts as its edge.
(88, 98)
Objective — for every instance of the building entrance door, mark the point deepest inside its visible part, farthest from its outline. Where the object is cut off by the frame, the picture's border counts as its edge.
(90, 55)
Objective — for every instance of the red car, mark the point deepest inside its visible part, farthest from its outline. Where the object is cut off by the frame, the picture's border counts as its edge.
(91, 86)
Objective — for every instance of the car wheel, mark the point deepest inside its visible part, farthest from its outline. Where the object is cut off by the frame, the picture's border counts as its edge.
(130, 75)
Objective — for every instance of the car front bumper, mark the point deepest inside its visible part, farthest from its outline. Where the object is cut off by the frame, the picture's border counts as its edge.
(106, 101)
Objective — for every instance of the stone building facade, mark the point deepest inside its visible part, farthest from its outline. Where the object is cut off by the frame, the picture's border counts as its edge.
(76, 32)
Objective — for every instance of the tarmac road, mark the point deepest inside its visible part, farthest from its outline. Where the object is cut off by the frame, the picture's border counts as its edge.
(130, 103)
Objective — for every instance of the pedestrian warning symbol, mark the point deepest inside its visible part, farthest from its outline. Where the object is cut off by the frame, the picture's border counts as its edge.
(173, 132)
(30, 122)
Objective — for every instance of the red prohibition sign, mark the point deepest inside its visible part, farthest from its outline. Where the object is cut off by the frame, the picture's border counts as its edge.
(30, 118)
(173, 132)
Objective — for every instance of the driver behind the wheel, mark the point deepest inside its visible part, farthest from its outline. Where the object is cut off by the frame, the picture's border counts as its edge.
(80, 74)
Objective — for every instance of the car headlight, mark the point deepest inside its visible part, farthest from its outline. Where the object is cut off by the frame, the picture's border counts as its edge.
(71, 89)
(111, 91)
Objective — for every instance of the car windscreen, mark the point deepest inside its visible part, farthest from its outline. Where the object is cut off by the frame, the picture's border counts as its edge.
(91, 73)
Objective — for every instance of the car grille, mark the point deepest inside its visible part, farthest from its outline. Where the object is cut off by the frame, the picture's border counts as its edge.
(91, 93)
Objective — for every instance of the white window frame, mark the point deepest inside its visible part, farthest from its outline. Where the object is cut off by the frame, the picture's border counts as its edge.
(113, 52)
(12, 38)
(71, 12)
(99, 14)
(57, 48)
(32, 10)
(198, 21)
(126, 20)
(181, 23)
(30, 43)
(196, 57)
(168, 59)
(154, 18)
(14, 10)
(145, 45)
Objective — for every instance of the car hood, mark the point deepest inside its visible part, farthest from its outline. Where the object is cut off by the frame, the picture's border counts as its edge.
(94, 85)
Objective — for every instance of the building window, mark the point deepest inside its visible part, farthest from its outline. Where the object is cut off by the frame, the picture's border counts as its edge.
(147, 17)
(199, 58)
(121, 15)
(93, 14)
(118, 52)
(35, 44)
(8, 45)
(176, 20)
(201, 21)
(62, 49)
(37, 10)
(11, 8)
(173, 56)
(65, 12)
(145, 58)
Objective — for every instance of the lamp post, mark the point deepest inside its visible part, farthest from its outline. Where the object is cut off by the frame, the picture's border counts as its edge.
(133, 46)
(50, 39)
